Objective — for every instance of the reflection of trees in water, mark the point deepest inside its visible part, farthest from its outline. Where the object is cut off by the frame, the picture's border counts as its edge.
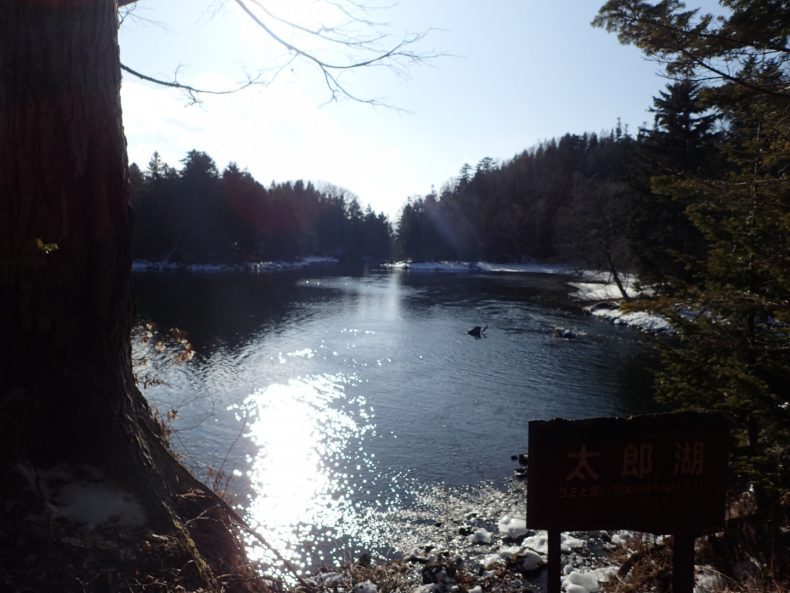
(214, 310)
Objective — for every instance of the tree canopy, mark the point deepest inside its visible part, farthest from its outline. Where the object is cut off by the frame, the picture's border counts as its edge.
(196, 214)
(721, 172)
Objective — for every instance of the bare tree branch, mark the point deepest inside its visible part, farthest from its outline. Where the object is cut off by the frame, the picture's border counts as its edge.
(191, 91)
(389, 57)
(362, 38)
(327, 33)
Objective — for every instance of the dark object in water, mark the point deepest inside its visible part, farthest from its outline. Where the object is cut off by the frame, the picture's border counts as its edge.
(477, 331)
(561, 332)
(523, 461)
(522, 458)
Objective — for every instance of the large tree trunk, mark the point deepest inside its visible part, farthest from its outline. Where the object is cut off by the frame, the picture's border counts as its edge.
(67, 392)
(65, 235)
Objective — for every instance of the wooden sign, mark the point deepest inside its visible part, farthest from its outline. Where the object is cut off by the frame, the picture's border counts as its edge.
(660, 473)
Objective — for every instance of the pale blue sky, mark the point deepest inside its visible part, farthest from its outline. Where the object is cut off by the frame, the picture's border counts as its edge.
(521, 71)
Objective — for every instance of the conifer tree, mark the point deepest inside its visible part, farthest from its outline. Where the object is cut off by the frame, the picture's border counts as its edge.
(666, 245)
(734, 351)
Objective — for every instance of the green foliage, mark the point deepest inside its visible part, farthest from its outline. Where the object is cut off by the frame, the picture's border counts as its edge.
(728, 188)
(666, 245)
(46, 248)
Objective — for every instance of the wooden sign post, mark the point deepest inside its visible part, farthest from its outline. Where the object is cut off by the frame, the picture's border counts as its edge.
(662, 473)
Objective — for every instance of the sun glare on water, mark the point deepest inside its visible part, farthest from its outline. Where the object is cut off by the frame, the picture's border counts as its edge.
(307, 463)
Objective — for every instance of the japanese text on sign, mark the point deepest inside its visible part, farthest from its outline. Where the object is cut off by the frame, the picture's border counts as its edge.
(649, 472)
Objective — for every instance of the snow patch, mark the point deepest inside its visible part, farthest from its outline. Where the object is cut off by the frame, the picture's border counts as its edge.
(492, 560)
(643, 320)
(82, 495)
(480, 267)
(538, 543)
(255, 267)
(587, 581)
(481, 536)
(621, 538)
(366, 587)
(583, 582)
(568, 543)
(94, 504)
(595, 291)
(512, 527)
(532, 561)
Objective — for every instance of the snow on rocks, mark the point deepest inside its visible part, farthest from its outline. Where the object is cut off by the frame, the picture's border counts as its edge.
(581, 582)
(600, 287)
(492, 560)
(568, 543)
(475, 540)
(479, 267)
(531, 561)
(621, 538)
(480, 536)
(588, 581)
(222, 268)
(538, 543)
(594, 286)
(512, 527)
(366, 587)
(330, 579)
(643, 320)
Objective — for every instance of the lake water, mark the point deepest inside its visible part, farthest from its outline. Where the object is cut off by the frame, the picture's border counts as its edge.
(332, 400)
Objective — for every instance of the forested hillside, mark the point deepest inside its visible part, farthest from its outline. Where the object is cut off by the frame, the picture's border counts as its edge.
(198, 215)
(563, 200)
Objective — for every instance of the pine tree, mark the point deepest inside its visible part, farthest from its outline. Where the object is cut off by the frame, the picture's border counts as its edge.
(666, 245)
(733, 354)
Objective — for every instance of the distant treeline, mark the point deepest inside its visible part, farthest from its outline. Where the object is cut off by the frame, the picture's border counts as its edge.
(543, 204)
(197, 215)
(596, 200)
(589, 199)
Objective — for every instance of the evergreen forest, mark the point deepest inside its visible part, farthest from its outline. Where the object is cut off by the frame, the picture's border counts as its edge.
(198, 215)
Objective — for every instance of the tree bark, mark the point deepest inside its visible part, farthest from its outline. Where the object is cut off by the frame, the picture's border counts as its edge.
(67, 386)
(67, 392)
(615, 275)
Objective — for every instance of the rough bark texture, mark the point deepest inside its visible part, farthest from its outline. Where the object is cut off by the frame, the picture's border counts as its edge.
(67, 389)
(67, 392)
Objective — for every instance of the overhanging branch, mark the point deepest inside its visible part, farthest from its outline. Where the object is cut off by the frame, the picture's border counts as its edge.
(190, 90)
(330, 70)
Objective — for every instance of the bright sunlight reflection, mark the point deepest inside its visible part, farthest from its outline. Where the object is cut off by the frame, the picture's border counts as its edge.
(308, 461)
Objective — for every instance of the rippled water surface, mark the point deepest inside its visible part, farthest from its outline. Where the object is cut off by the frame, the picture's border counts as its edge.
(328, 402)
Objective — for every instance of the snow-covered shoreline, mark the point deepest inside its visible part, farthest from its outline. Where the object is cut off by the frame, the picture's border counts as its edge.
(595, 287)
(481, 267)
(587, 286)
(605, 297)
(477, 540)
(223, 268)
